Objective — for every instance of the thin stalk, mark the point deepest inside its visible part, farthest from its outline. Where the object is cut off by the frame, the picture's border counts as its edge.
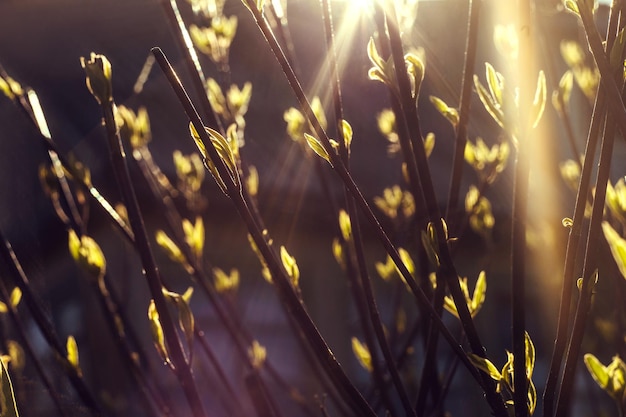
(429, 380)
(608, 83)
(198, 80)
(471, 45)
(285, 289)
(590, 265)
(227, 315)
(47, 329)
(233, 399)
(446, 269)
(118, 330)
(519, 217)
(403, 135)
(341, 170)
(366, 285)
(153, 278)
(550, 392)
(571, 255)
(28, 348)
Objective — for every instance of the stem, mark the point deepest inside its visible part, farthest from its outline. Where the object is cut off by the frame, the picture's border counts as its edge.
(520, 210)
(573, 241)
(605, 92)
(471, 46)
(447, 268)
(591, 264)
(198, 80)
(46, 327)
(285, 289)
(175, 350)
(366, 285)
(341, 170)
(28, 348)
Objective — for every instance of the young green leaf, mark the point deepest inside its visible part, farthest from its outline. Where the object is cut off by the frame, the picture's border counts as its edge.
(415, 69)
(87, 254)
(226, 282)
(257, 354)
(495, 81)
(171, 249)
(98, 71)
(7, 394)
(478, 298)
(346, 130)
(344, 225)
(492, 107)
(362, 354)
(290, 265)
(15, 297)
(72, 353)
(194, 236)
(485, 365)
(449, 113)
(597, 370)
(617, 244)
(539, 102)
(158, 337)
(572, 6)
(317, 147)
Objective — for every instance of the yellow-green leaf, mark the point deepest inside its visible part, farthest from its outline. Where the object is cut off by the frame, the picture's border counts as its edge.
(572, 7)
(98, 71)
(529, 348)
(446, 111)
(257, 354)
(617, 244)
(485, 365)
(171, 249)
(290, 265)
(346, 130)
(16, 297)
(72, 353)
(194, 236)
(362, 354)
(478, 298)
(7, 395)
(226, 282)
(317, 147)
(490, 105)
(87, 254)
(429, 143)
(344, 225)
(539, 102)
(495, 83)
(597, 370)
(156, 329)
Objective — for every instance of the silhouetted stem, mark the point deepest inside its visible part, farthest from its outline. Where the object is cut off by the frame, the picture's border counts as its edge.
(285, 289)
(571, 255)
(46, 327)
(117, 327)
(341, 170)
(198, 80)
(471, 43)
(590, 265)
(28, 348)
(372, 308)
(525, 76)
(153, 278)
(228, 317)
(446, 269)
(609, 89)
